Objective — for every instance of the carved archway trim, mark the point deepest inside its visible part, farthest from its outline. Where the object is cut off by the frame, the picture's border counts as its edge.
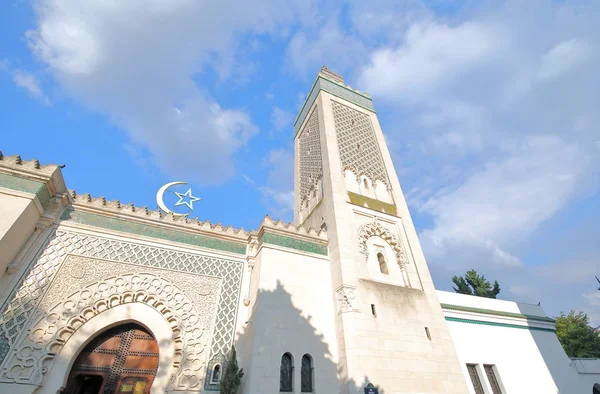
(375, 229)
(148, 317)
(37, 350)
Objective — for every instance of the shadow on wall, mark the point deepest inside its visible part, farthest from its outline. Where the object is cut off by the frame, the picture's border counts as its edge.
(277, 327)
(565, 376)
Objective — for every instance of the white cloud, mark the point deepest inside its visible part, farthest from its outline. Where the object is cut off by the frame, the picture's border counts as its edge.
(135, 62)
(430, 55)
(563, 57)
(329, 45)
(278, 190)
(281, 118)
(489, 154)
(26, 81)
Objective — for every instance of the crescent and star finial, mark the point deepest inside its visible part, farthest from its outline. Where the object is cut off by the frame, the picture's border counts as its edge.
(182, 198)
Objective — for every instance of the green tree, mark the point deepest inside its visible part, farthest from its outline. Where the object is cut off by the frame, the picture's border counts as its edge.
(576, 335)
(232, 377)
(475, 284)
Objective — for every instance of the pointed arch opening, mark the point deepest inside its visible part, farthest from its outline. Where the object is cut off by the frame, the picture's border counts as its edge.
(306, 374)
(286, 373)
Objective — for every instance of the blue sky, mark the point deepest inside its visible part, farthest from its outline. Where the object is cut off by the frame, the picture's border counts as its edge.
(489, 109)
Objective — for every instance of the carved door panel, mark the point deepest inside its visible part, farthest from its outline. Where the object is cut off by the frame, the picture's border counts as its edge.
(123, 360)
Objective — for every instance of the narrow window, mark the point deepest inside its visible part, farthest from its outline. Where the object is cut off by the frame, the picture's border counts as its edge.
(216, 374)
(306, 375)
(472, 368)
(286, 373)
(366, 183)
(428, 333)
(492, 378)
(382, 264)
(373, 310)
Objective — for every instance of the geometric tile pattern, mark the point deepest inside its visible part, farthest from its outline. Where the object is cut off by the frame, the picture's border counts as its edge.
(126, 226)
(28, 186)
(359, 150)
(293, 243)
(22, 302)
(335, 89)
(311, 166)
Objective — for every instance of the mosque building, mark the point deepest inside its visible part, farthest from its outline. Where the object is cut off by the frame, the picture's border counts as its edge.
(98, 296)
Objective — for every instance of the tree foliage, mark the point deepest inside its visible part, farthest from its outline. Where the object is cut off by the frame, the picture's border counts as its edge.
(232, 377)
(576, 335)
(474, 284)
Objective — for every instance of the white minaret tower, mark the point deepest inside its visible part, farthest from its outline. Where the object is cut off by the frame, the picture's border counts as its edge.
(390, 327)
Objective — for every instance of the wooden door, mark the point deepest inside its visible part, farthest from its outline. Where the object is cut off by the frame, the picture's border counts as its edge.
(122, 360)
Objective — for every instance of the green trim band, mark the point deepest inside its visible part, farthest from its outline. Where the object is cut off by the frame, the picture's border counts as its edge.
(496, 313)
(28, 186)
(489, 323)
(294, 243)
(152, 231)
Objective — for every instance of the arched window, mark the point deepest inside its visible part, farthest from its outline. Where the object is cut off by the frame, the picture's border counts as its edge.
(286, 373)
(382, 264)
(366, 183)
(216, 374)
(306, 375)
(596, 388)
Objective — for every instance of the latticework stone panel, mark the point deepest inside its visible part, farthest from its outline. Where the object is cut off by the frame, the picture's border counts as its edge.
(311, 164)
(23, 304)
(359, 150)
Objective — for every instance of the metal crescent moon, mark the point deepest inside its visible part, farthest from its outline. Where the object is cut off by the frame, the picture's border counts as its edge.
(160, 201)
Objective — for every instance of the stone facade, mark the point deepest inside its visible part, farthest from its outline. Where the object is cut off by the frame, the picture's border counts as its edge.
(337, 300)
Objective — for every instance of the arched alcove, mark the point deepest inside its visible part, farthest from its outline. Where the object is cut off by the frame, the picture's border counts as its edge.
(121, 359)
(142, 315)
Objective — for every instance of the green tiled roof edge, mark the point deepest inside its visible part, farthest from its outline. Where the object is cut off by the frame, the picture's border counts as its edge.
(294, 243)
(153, 231)
(331, 88)
(488, 323)
(496, 313)
(28, 186)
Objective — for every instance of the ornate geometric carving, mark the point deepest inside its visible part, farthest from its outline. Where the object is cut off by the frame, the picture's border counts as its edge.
(376, 229)
(345, 92)
(25, 299)
(346, 297)
(359, 150)
(36, 351)
(311, 165)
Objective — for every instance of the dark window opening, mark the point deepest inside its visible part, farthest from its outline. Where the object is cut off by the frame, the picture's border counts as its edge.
(472, 368)
(382, 264)
(286, 373)
(492, 378)
(306, 374)
(216, 375)
(428, 333)
(373, 310)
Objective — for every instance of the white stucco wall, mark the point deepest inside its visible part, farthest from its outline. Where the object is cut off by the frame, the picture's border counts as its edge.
(527, 360)
(18, 218)
(292, 311)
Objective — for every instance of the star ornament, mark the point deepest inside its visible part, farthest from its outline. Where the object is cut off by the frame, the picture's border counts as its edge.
(187, 194)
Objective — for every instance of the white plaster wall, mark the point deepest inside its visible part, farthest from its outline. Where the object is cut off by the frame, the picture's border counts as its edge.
(19, 217)
(527, 361)
(447, 297)
(292, 311)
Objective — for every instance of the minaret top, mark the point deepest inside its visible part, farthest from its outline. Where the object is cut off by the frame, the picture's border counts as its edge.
(331, 75)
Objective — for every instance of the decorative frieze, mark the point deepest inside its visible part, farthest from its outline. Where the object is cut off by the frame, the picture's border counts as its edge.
(376, 229)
